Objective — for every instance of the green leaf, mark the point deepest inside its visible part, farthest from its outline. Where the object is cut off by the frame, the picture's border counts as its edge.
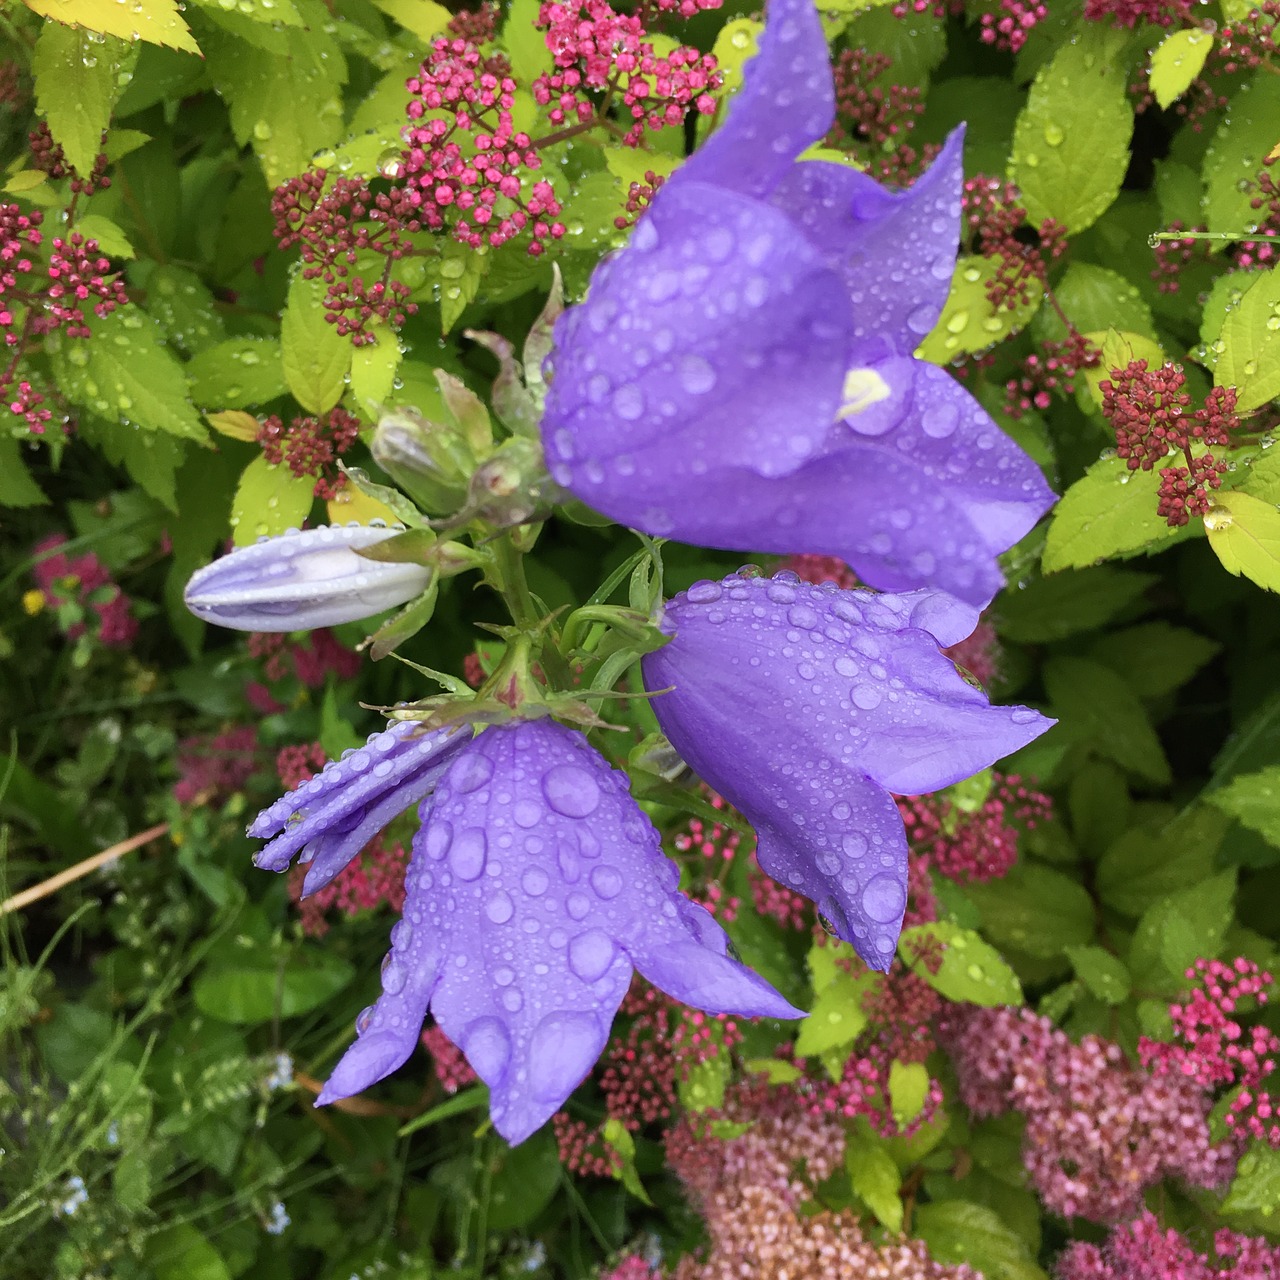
(373, 370)
(972, 970)
(1097, 707)
(1104, 974)
(1153, 860)
(316, 356)
(183, 304)
(1068, 603)
(1234, 159)
(155, 21)
(1253, 799)
(704, 1085)
(1176, 62)
(1249, 355)
(151, 459)
(1109, 512)
(908, 1089)
(257, 988)
(1177, 930)
(1035, 910)
(1263, 478)
(270, 12)
(526, 46)
(837, 1017)
(620, 1141)
(1095, 299)
(425, 18)
(182, 1253)
(269, 499)
(236, 373)
(1244, 533)
(874, 1177)
(286, 103)
(17, 488)
(969, 322)
(110, 239)
(124, 371)
(1256, 1186)
(1154, 658)
(525, 1182)
(1071, 141)
(457, 274)
(961, 1231)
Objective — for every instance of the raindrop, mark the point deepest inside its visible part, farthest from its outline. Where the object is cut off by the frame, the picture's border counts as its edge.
(570, 791)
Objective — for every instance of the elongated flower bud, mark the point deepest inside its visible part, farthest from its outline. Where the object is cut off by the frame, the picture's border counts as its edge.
(302, 580)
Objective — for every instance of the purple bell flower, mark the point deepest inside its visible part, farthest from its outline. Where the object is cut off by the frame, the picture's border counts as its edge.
(741, 375)
(302, 580)
(535, 887)
(806, 707)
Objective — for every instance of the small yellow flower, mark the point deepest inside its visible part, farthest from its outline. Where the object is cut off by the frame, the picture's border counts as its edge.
(33, 601)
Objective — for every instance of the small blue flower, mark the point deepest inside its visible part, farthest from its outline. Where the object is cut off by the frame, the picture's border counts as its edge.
(302, 580)
(806, 707)
(742, 375)
(536, 886)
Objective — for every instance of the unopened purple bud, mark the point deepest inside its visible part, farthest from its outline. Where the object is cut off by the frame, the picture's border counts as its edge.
(302, 580)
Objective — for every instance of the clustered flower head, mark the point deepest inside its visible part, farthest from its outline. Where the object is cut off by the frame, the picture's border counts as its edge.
(1051, 371)
(464, 154)
(1133, 13)
(600, 51)
(1098, 1130)
(998, 227)
(310, 447)
(78, 273)
(82, 594)
(742, 375)
(310, 661)
(751, 1192)
(1173, 257)
(1147, 410)
(1214, 1049)
(1143, 1250)
(211, 769)
(48, 156)
(1008, 29)
(868, 115)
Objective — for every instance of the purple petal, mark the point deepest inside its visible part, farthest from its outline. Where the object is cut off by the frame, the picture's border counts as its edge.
(894, 250)
(302, 580)
(848, 701)
(333, 813)
(541, 882)
(717, 314)
(786, 102)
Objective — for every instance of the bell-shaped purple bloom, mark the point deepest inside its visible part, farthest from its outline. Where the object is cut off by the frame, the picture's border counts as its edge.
(535, 887)
(806, 707)
(302, 580)
(742, 374)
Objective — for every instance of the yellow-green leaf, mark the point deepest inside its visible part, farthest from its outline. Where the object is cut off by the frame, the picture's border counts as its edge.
(111, 240)
(1234, 160)
(316, 356)
(373, 369)
(1244, 533)
(969, 322)
(1249, 352)
(424, 18)
(908, 1089)
(1176, 63)
(155, 21)
(874, 1177)
(269, 500)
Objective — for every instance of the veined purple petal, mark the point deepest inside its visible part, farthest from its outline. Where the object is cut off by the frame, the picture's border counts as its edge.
(541, 885)
(787, 101)
(332, 816)
(302, 580)
(848, 701)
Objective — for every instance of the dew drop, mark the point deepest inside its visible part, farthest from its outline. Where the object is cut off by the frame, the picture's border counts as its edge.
(570, 791)
(467, 854)
(470, 772)
(499, 908)
(883, 899)
(606, 881)
(591, 954)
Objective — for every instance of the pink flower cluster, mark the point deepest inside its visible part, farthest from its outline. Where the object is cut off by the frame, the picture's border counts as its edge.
(750, 1190)
(48, 156)
(1053, 371)
(1133, 13)
(1214, 1049)
(868, 115)
(1098, 1130)
(374, 879)
(211, 769)
(449, 1062)
(310, 447)
(78, 274)
(310, 659)
(978, 845)
(1142, 1250)
(85, 597)
(1009, 28)
(599, 51)
(463, 153)
(998, 228)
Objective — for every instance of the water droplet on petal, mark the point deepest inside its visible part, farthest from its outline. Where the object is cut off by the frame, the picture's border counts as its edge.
(499, 908)
(467, 854)
(606, 881)
(883, 899)
(570, 790)
(470, 772)
(591, 954)
(488, 1049)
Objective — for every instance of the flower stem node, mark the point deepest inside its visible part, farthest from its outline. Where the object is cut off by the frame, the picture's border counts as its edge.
(302, 580)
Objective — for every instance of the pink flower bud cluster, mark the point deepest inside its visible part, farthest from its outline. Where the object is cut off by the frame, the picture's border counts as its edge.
(48, 156)
(598, 51)
(1009, 28)
(639, 197)
(717, 846)
(1214, 1049)
(476, 26)
(78, 274)
(978, 845)
(998, 228)
(641, 1071)
(19, 234)
(449, 1062)
(1173, 257)
(349, 238)
(310, 447)
(374, 879)
(751, 1190)
(1147, 410)
(311, 659)
(299, 763)
(464, 156)
(212, 768)
(632, 1267)
(1142, 1250)
(869, 116)
(1098, 1130)
(1133, 13)
(85, 598)
(1245, 44)
(1053, 373)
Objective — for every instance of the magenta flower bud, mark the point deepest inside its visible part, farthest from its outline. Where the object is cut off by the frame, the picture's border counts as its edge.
(302, 580)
